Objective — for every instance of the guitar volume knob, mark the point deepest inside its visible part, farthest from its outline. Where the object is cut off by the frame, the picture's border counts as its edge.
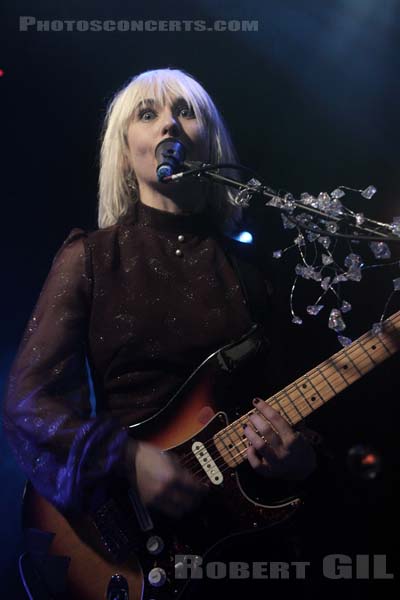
(157, 577)
(154, 545)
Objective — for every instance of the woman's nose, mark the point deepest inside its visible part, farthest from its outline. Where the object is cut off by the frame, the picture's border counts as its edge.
(170, 126)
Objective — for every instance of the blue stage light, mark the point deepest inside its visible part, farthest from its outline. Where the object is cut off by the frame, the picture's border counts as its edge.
(245, 237)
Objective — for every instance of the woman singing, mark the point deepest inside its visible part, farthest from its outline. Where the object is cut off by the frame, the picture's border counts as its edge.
(140, 302)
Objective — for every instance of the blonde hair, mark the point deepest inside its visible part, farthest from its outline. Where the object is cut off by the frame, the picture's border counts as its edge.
(115, 196)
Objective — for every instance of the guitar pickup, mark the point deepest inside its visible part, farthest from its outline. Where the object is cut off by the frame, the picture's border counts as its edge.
(207, 463)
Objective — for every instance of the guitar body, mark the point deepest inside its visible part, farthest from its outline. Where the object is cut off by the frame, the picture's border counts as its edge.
(203, 425)
(237, 500)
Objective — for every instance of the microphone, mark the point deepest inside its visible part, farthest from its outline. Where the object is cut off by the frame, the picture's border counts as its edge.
(170, 154)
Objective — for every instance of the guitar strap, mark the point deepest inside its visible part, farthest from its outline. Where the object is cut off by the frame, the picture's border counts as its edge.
(256, 289)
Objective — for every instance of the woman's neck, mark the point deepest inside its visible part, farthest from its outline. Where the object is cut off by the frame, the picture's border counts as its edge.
(177, 198)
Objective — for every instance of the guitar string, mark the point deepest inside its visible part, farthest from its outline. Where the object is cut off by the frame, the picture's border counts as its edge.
(221, 455)
(275, 401)
(223, 435)
(225, 467)
(244, 440)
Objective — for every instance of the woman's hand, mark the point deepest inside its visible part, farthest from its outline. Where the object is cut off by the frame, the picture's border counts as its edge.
(163, 483)
(275, 449)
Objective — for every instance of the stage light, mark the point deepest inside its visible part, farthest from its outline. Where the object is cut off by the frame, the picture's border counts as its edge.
(364, 462)
(245, 237)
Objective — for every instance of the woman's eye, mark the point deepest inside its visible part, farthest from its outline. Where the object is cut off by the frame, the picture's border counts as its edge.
(146, 115)
(186, 112)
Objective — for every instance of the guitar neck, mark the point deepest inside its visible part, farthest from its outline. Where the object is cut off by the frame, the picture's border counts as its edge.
(314, 389)
(324, 382)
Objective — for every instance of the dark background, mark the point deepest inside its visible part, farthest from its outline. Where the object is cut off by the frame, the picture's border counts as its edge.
(311, 100)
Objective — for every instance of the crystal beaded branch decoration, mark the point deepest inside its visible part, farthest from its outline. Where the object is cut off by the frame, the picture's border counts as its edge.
(320, 222)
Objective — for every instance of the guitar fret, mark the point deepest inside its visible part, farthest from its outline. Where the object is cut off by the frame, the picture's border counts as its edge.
(327, 381)
(384, 345)
(321, 398)
(362, 346)
(345, 365)
(236, 432)
(281, 408)
(381, 347)
(292, 403)
(232, 445)
(360, 373)
(314, 400)
(342, 370)
(299, 387)
(222, 436)
(319, 383)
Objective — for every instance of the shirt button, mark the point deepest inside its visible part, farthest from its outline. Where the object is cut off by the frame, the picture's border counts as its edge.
(181, 238)
(178, 252)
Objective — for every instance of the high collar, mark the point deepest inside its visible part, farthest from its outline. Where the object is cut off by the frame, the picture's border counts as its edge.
(162, 220)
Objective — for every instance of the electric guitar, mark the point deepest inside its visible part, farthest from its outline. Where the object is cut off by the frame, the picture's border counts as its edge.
(122, 543)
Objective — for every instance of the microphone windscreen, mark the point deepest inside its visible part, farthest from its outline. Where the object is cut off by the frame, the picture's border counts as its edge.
(170, 155)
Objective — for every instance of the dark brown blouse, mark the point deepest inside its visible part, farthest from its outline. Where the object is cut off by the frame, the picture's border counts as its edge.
(143, 302)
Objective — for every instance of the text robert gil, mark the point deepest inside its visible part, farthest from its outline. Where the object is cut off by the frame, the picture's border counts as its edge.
(334, 566)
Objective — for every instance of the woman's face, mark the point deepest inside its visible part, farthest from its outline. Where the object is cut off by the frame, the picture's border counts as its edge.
(152, 123)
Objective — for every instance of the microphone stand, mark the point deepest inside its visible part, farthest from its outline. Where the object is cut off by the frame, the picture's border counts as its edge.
(332, 208)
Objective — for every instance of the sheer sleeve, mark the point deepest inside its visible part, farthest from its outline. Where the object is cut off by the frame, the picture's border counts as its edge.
(65, 452)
